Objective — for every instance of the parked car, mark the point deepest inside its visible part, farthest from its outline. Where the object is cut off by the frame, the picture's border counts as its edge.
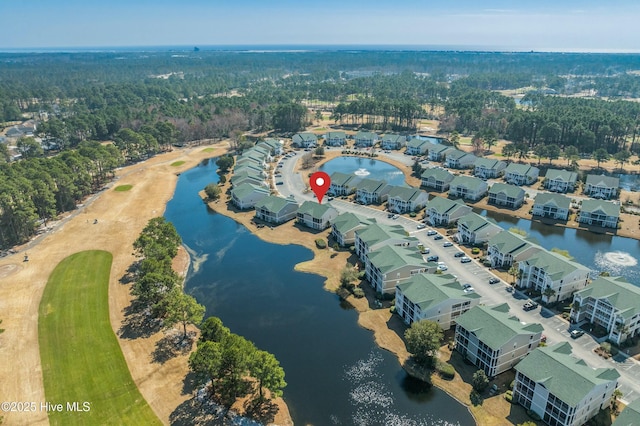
(421, 226)
(395, 216)
(431, 232)
(438, 237)
(442, 267)
(279, 183)
(448, 244)
(466, 285)
(576, 333)
(494, 280)
(469, 290)
(509, 289)
(432, 258)
(459, 254)
(530, 305)
(425, 250)
(465, 259)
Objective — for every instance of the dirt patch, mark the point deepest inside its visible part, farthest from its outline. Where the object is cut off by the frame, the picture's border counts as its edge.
(121, 216)
(6, 270)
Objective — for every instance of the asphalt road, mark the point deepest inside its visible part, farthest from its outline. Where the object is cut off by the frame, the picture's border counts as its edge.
(555, 328)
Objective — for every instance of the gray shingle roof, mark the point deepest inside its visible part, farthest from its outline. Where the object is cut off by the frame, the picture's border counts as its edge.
(568, 378)
(426, 290)
(546, 198)
(391, 258)
(508, 242)
(274, 204)
(602, 180)
(521, 169)
(348, 221)
(469, 182)
(608, 208)
(246, 189)
(511, 191)
(489, 163)
(378, 232)
(442, 205)
(440, 175)
(474, 221)
(371, 185)
(625, 297)
(341, 179)
(555, 265)
(404, 193)
(495, 326)
(315, 210)
(563, 175)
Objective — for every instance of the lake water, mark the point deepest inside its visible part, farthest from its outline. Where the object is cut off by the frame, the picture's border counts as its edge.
(366, 168)
(617, 255)
(336, 374)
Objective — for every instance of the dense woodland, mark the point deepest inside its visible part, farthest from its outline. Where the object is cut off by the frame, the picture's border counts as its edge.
(146, 102)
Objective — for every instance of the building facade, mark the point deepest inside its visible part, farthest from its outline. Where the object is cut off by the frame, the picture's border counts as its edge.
(494, 340)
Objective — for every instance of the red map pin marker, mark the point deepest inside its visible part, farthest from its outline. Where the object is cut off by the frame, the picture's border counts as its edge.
(320, 183)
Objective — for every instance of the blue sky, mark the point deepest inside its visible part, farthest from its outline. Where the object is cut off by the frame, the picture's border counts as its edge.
(560, 25)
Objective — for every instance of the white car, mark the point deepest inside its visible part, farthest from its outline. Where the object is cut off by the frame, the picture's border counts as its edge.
(448, 244)
(442, 267)
(421, 226)
(465, 259)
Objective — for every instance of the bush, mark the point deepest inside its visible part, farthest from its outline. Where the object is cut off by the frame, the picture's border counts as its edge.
(480, 381)
(392, 309)
(321, 244)
(412, 214)
(445, 370)
(475, 250)
(358, 293)
(606, 346)
(513, 382)
(509, 398)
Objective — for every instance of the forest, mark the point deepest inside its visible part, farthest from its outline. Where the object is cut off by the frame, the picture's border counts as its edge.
(147, 102)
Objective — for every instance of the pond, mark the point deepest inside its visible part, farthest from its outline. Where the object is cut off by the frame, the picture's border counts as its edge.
(366, 168)
(335, 372)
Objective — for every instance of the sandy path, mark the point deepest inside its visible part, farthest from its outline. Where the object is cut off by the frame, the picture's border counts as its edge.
(121, 216)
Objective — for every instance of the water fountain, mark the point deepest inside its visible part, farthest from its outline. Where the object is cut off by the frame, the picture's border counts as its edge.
(620, 258)
(362, 172)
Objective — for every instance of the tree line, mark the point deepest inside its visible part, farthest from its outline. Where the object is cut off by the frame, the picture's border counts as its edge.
(229, 365)
(36, 190)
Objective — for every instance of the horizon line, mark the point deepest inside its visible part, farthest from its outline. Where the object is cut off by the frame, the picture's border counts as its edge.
(307, 47)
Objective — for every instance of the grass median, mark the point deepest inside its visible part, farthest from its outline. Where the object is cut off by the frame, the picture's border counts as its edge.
(81, 358)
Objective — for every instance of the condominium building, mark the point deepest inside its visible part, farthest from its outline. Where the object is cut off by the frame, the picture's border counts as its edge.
(612, 303)
(493, 339)
(560, 388)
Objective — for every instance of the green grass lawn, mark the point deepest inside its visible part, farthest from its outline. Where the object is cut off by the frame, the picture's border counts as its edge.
(81, 358)
(177, 163)
(123, 188)
(208, 149)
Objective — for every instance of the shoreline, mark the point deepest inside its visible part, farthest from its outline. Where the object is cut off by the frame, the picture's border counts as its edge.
(380, 322)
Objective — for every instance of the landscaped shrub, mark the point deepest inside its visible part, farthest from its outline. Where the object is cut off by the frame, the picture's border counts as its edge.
(445, 370)
(508, 397)
(321, 244)
(513, 382)
(475, 250)
(606, 346)
(412, 214)
(358, 292)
